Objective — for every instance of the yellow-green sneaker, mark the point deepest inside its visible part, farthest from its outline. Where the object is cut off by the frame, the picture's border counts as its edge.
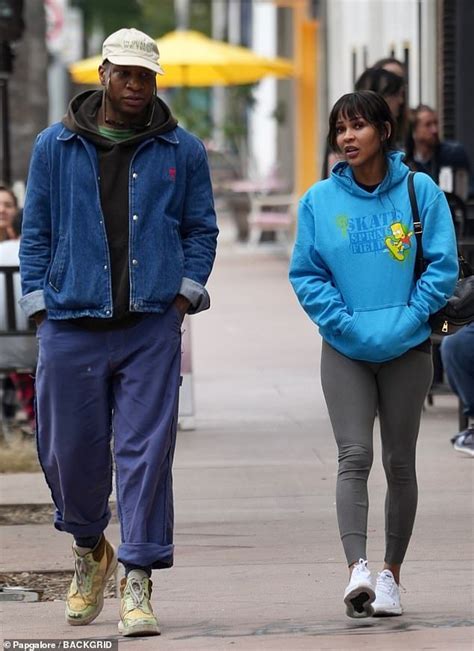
(85, 598)
(136, 613)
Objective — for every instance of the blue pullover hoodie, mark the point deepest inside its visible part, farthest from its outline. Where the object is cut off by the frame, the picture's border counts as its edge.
(353, 262)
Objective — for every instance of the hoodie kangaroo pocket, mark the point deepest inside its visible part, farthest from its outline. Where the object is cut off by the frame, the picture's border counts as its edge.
(349, 327)
(379, 335)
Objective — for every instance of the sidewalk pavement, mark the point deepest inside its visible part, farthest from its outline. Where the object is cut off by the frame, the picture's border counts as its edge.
(259, 564)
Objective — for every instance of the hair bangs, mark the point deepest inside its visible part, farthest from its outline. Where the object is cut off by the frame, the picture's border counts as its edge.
(351, 107)
(361, 104)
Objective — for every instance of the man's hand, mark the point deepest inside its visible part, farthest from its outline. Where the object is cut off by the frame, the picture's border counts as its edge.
(39, 317)
(182, 304)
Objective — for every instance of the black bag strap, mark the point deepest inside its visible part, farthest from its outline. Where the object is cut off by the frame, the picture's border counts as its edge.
(417, 227)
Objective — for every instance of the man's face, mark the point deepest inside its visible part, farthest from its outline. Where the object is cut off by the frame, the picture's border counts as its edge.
(129, 91)
(426, 129)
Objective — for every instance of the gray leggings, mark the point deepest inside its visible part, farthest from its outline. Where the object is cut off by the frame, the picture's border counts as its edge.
(355, 392)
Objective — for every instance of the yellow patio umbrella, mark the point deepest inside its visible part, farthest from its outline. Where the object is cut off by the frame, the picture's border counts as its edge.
(190, 58)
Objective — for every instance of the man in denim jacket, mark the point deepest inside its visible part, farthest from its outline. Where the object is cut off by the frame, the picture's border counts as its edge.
(119, 238)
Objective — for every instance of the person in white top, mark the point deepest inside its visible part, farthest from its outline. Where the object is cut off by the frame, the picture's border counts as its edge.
(8, 214)
(16, 351)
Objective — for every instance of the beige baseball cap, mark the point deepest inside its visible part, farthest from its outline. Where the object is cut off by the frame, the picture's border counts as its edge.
(130, 47)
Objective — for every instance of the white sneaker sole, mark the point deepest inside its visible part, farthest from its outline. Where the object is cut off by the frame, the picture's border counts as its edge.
(359, 601)
(387, 611)
(464, 450)
(139, 629)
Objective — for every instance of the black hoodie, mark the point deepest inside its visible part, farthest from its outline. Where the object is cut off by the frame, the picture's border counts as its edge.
(114, 166)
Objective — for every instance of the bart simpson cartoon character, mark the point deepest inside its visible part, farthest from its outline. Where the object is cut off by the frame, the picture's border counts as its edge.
(399, 242)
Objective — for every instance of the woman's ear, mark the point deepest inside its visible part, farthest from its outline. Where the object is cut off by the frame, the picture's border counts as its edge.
(388, 131)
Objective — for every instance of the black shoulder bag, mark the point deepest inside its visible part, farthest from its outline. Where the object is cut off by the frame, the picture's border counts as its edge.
(459, 310)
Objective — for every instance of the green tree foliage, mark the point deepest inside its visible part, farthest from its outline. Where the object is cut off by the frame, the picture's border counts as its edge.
(239, 101)
(109, 15)
(160, 17)
(192, 107)
(155, 17)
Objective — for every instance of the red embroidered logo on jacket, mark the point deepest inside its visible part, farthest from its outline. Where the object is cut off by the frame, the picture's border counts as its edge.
(172, 173)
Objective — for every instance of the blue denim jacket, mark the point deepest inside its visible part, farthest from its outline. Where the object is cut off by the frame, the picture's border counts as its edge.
(64, 256)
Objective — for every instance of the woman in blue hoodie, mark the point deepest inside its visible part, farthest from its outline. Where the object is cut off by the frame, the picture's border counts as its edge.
(353, 272)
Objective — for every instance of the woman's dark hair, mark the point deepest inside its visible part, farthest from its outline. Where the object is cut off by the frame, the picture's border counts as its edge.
(367, 105)
(381, 81)
(386, 83)
(381, 63)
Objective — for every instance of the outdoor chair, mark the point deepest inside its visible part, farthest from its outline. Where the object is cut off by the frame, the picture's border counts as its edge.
(272, 213)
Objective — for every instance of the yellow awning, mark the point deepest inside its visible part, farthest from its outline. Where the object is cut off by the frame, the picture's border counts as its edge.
(190, 58)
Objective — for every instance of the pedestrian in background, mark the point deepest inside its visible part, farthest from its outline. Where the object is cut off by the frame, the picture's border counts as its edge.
(426, 152)
(447, 162)
(8, 214)
(352, 269)
(119, 238)
(392, 64)
(457, 353)
(18, 352)
(392, 87)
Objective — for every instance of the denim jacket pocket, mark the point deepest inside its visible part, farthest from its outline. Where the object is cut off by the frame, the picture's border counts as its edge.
(56, 273)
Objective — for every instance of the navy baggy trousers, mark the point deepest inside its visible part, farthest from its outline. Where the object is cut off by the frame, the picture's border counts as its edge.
(101, 390)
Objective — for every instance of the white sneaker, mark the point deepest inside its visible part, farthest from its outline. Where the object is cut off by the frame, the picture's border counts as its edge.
(387, 600)
(360, 592)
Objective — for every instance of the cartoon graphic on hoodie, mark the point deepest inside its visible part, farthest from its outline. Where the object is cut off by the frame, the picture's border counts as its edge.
(366, 304)
(399, 242)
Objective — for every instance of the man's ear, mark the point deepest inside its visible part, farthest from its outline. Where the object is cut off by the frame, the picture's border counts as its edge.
(102, 75)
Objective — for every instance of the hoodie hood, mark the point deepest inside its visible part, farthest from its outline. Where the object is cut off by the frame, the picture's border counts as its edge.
(397, 172)
(81, 118)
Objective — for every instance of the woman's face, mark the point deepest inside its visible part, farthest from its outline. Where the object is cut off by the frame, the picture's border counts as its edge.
(358, 141)
(8, 209)
(395, 102)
